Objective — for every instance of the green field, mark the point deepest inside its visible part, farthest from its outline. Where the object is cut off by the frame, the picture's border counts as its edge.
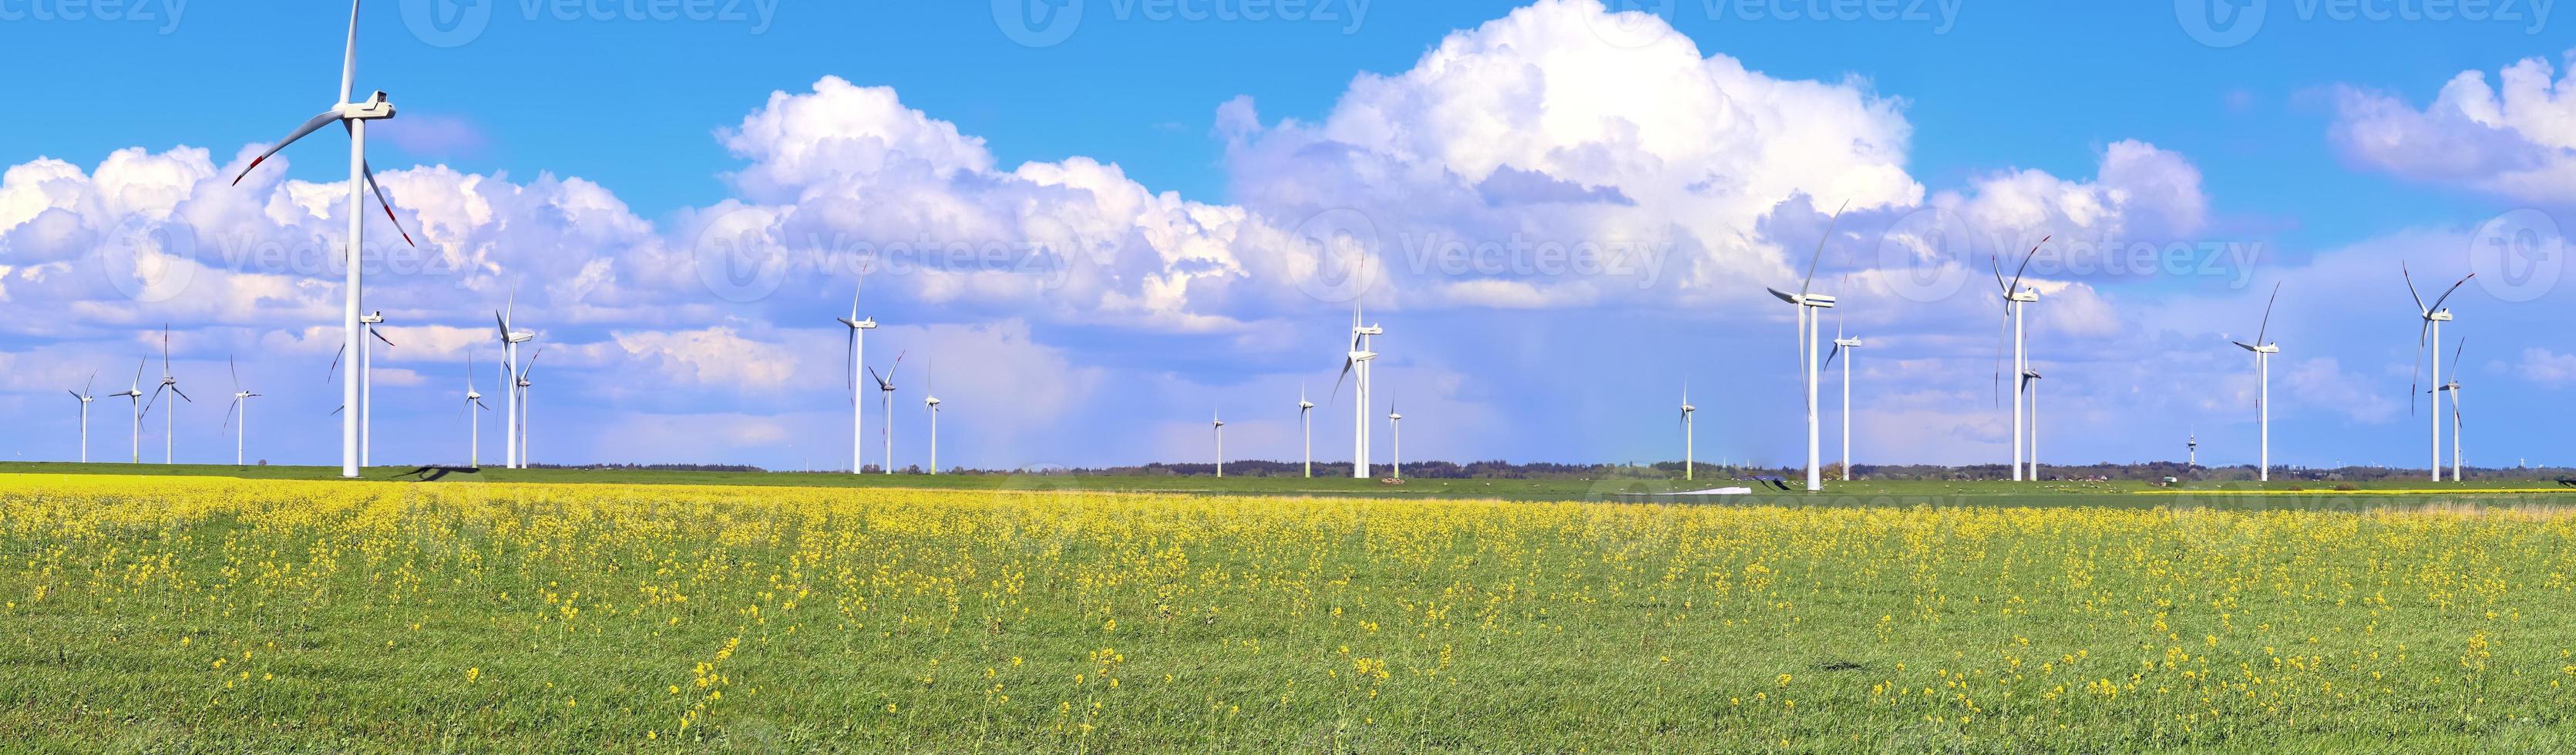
(183, 613)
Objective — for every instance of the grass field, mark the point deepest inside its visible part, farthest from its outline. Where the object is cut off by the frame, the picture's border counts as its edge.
(212, 614)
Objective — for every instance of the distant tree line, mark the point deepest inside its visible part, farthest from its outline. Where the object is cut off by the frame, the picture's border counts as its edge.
(1713, 473)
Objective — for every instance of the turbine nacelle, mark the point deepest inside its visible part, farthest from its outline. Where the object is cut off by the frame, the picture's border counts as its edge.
(1847, 343)
(1819, 301)
(867, 324)
(376, 108)
(2438, 316)
(1373, 330)
(2024, 296)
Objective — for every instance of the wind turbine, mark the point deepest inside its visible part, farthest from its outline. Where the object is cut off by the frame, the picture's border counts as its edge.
(1306, 417)
(2263, 351)
(136, 393)
(2030, 389)
(2454, 388)
(858, 349)
(510, 340)
(352, 116)
(1690, 435)
(85, 400)
(1219, 423)
(169, 421)
(474, 423)
(2016, 299)
(885, 390)
(1395, 428)
(930, 399)
(1841, 345)
(1804, 301)
(367, 388)
(1360, 358)
(520, 386)
(2430, 337)
(2193, 444)
(241, 403)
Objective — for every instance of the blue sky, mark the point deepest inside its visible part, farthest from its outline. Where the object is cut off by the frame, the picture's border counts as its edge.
(1166, 167)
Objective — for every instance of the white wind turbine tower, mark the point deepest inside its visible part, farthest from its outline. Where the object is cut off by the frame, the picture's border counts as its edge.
(1808, 325)
(519, 386)
(2454, 388)
(1395, 428)
(1306, 418)
(2016, 299)
(2263, 352)
(1690, 435)
(352, 116)
(858, 408)
(1219, 423)
(885, 390)
(1841, 345)
(2430, 337)
(473, 423)
(85, 400)
(510, 340)
(1360, 358)
(169, 421)
(241, 403)
(930, 401)
(136, 394)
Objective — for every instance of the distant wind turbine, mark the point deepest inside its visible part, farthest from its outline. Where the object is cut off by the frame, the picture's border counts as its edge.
(930, 400)
(1306, 418)
(85, 399)
(136, 394)
(2030, 391)
(510, 393)
(241, 404)
(473, 422)
(367, 388)
(2454, 388)
(520, 386)
(1360, 358)
(352, 116)
(1841, 345)
(1808, 325)
(1690, 435)
(169, 421)
(2430, 338)
(858, 352)
(2263, 351)
(1219, 423)
(1395, 429)
(885, 390)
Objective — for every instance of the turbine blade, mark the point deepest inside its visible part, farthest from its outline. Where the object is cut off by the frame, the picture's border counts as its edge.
(1783, 296)
(2267, 315)
(2025, 263)
(2416, 380)
(371, 330)
(2455, 288)
(1347, 363)
(387, 204)
(1819, 256)
(183, 395)
(2410, 288)
(92, 385)
(349, 56)
(2455, 361)
(310, 126)
(228, 415)
(335, 364)
(235, 369)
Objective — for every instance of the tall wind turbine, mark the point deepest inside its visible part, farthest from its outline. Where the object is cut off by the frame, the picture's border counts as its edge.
(2454, 388)
(2263, 351)
(1360, 358)
(1219, 423)
(1690, 435)
(473, 423)
(519, 386)
(169, 421)
(2194, 445)
(241, 404)
(2430, 337)
(352, 116)
(930, 400)
(2016, 299)
(1808, 325)
(885, 390)
(510, 340)
(136, 394)
(1395, 428)
(1841, 345)
(85, 400)
(1306, 418)
(858, 409)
